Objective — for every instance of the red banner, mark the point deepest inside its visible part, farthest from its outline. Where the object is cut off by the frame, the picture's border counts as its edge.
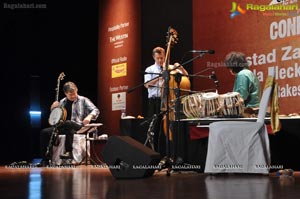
(267, 31)
(119, 61)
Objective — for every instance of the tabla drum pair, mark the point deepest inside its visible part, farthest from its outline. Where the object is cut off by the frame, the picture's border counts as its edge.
(211, 104)
(201, 105)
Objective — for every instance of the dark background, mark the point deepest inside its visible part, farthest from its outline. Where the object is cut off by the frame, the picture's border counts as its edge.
(38, 44)
(43, 43)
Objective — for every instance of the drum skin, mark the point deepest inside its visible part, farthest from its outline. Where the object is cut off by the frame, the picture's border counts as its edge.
(57, 116)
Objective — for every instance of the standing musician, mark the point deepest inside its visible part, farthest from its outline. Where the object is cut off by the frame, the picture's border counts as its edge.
(80, 111)
(154, 90)
(246, 83)
(154, 87)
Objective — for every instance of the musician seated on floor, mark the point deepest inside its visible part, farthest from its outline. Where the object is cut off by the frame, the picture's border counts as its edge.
(246, 83)
(79, 112)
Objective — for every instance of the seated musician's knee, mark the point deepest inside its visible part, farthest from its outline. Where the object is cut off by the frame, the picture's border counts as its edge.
(46, 131)
(68, 124)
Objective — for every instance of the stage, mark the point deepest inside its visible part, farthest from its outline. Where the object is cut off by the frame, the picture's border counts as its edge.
(105, 47)
(95, 182)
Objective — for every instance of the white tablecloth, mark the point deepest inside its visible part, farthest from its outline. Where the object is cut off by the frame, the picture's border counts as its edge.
(238, 147)
(79, 149)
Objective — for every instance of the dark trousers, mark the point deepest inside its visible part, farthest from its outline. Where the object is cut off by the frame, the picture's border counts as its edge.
(68, 128)
(154, 105)
(160, 141)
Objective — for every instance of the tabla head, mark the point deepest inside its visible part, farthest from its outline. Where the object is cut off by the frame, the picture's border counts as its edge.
(210, 95)
(230, 94)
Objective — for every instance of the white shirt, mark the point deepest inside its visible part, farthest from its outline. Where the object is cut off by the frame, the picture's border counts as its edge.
(155, 90)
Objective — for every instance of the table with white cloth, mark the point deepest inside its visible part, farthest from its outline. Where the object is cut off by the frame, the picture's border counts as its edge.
(191, 138)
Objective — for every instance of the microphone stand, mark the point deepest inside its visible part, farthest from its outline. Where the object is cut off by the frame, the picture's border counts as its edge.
(142, 84)
(166, 77)
(53, 141)
(200, 55)
(165, 101)
(178, 77)
(188, 61)
(150, 132)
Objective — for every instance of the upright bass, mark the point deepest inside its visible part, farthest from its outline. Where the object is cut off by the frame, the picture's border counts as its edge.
(168, 100)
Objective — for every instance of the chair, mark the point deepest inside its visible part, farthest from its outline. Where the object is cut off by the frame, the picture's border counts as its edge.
(239, 146)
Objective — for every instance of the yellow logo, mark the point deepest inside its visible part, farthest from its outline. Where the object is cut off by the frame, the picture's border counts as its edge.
(119, 70)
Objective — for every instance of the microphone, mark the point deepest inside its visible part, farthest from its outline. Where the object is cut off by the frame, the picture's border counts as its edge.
(150, 73)
(203, 51)
(214, 77)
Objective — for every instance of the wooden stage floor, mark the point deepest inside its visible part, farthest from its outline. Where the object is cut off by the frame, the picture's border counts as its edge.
(91, 182)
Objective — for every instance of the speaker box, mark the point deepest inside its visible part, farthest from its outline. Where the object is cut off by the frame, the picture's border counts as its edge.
(128, 158)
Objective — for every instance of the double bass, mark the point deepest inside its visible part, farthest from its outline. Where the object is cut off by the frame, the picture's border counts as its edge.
(173, 84)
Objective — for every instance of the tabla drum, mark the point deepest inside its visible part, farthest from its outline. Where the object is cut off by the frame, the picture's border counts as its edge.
(231, 104)
(57, 116)
(211, 104)
(192, 105)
